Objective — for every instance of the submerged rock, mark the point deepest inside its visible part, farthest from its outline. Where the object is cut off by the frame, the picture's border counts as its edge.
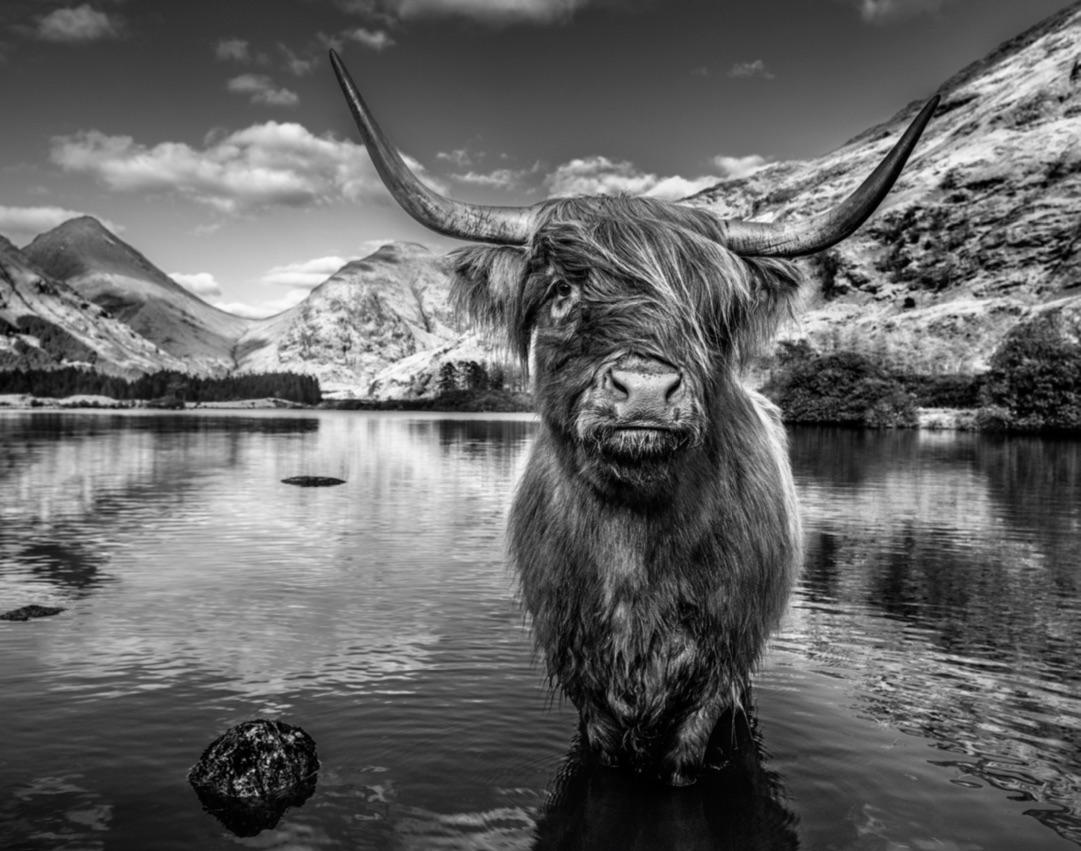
(250, 775)
(313, 481)
(28, 612)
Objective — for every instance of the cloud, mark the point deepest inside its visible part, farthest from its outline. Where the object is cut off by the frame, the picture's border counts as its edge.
(234, 49)
(491, 11)
(599, 175)
(78, 24)
(306, 274)
(730, 167)
(22, 224)
(882, 11)
(376, 40)
(390, 12)
(459, 157)
(265, 165)
(263, 309)
(202, 284)
(757, 68)
(262, 90)
(500, 178)
(296, 64)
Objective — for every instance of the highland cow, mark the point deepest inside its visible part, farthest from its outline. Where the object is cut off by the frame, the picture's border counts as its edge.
(655, 531)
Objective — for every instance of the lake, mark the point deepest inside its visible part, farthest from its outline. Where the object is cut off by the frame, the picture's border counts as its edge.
(924, 691)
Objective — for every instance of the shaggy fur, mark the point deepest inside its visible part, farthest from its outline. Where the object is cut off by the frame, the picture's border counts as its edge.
(657, 551)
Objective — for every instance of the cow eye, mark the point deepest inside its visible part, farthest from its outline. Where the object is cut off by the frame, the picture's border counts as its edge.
(563, 299)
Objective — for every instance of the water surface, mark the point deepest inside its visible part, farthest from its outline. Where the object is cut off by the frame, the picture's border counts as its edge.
(922, 693)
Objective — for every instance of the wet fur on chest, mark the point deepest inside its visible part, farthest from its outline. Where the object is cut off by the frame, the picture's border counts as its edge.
(644, 617)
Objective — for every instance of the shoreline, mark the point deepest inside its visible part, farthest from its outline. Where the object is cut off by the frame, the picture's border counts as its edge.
(930, 419)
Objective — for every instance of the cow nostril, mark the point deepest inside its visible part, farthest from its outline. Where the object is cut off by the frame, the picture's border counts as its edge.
(674, 388)
(619, 388)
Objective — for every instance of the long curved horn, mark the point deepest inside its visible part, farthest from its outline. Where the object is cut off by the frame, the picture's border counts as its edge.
(507, 225)
(767, 239)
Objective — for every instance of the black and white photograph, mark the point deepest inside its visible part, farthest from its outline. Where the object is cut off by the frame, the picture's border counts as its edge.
(540, 425)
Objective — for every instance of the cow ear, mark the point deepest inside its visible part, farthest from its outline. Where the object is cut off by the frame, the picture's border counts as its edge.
(774, 290)
(487, 285)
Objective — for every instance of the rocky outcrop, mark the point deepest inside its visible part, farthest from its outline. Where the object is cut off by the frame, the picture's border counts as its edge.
(368, 315)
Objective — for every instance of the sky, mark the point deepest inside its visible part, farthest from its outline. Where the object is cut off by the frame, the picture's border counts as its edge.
(213, 137)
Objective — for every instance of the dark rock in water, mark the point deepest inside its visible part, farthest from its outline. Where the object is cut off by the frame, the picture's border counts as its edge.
(313, 481)
(27, 612)
(249, 776)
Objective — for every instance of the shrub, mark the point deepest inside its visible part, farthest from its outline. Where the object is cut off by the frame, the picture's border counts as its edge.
(845, 388)
(1035, 377)
(952, 390)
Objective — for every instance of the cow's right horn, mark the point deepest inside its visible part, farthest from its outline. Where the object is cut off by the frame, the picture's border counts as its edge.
(476, 222)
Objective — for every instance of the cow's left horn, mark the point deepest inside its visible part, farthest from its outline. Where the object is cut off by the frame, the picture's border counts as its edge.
(767, 239)
(506, 225)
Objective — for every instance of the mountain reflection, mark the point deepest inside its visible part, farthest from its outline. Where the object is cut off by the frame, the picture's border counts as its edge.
(949, 580)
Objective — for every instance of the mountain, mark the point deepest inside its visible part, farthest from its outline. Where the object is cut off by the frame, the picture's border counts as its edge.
(980, 233)
(46, 324)
(103, 268)
(364, 318)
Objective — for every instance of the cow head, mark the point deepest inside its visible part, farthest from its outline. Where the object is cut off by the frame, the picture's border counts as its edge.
(634, 312)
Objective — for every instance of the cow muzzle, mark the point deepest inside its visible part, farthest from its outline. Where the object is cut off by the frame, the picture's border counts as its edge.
(639, 410)
(643, 392)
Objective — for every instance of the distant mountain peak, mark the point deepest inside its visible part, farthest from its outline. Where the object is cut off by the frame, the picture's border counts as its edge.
(94, 261)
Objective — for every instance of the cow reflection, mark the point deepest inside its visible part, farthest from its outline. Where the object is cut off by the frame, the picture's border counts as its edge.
(738, 804)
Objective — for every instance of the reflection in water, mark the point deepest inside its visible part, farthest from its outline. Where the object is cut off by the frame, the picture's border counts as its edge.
(738, 806)
(948, 567)
(923, 691)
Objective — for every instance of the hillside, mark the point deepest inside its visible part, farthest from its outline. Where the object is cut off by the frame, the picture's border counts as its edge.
(367, 316)
(45, 324)
(982, 231)
(107, 271)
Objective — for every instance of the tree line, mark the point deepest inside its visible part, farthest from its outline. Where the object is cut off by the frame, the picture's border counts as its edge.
(1033, 385)
(166, 384)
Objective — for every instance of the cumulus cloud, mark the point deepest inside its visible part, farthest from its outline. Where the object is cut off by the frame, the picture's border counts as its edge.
(306, 274)
(77, 24)
(376, 40)
(264, 165)
(729, 167)
(495, 11)
(598, 175)
(233, 49)
(756, 68)
(263, 309)
(459, 157)
(500, 178)
(261, 89)
(202, 284)
(22, 224)
(296, 64)
(881, 11)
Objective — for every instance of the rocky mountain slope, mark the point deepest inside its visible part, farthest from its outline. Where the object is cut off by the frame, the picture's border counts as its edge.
(369, 315)
(104, 269)
(45, 324)
(981, 232)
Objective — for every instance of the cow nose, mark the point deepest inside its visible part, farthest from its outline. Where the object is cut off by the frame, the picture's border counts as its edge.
(643, 393)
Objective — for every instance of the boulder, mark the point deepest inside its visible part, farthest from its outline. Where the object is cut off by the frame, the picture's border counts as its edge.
(249, 776)
(27, 612)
